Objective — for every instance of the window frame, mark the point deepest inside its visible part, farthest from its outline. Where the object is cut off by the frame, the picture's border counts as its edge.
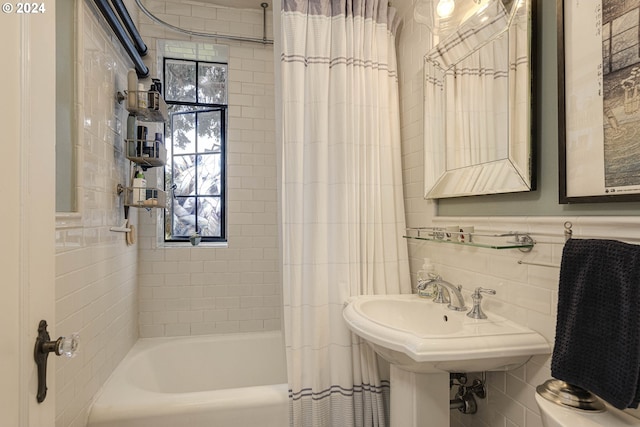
(197, 108)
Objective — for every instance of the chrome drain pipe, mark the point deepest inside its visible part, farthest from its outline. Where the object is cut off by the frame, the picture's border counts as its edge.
(465, 404)
(465, 399)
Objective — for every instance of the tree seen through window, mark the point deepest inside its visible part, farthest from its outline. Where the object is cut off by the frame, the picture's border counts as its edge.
(196, 96)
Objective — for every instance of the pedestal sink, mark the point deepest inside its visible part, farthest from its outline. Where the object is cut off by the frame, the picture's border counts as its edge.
(424, 341)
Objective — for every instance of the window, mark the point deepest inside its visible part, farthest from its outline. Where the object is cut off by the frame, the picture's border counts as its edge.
(196, 96)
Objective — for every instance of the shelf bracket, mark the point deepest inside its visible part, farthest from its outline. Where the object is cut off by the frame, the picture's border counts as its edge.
(124, 228)
(524, 239)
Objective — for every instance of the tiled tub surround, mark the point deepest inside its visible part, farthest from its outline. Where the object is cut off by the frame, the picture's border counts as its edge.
(237, 288)
(95, 270)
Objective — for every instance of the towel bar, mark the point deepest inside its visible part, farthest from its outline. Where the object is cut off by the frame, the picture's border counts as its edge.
(539, 264)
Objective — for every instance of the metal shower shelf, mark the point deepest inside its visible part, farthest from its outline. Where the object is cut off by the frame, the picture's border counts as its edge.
(143, 197)
(154, 156)
(147, 106)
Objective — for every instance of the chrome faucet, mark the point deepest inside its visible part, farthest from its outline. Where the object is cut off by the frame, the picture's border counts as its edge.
(424, 286)
(451, 292)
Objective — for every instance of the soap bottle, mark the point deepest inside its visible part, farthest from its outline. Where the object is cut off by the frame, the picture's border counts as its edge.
(425, 275)
(139, 188)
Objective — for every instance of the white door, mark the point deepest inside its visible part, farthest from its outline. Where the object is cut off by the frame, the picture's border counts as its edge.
(27, 209)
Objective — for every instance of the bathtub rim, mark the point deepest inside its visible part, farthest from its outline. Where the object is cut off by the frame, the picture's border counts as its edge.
(119, 398)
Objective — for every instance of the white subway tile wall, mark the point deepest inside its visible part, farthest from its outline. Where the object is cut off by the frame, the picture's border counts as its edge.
(210, 290)
(526, 294)
(95, 270)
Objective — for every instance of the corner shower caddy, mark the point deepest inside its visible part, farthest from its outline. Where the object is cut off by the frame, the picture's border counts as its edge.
(512, 240)
(154, 111)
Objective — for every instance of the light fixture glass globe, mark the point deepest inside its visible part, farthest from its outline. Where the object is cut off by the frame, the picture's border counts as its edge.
(444, 9)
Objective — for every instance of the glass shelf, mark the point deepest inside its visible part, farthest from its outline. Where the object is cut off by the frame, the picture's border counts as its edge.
(512, 240)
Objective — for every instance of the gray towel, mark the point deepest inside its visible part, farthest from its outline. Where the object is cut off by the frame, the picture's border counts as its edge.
(597, 344)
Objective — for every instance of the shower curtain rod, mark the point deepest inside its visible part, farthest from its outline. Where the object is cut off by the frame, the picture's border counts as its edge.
(119, 6)
(141, 69)
(263, 40)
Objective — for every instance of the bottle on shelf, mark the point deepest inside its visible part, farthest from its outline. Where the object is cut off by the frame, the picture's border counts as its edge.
(132, 86)
(158, 142)
(156, 86)
(154, 95)
(148, 148)
(140, 141)
(139, 188)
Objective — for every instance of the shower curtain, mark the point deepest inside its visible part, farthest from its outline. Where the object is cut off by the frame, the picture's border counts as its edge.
(478, 103)
(468, 83)
(342, 202)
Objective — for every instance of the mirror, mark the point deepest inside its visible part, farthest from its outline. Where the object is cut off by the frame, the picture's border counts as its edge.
(477, 102)
(66, 62)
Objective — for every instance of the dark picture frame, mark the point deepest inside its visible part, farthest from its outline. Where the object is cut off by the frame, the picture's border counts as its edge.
(598, 112)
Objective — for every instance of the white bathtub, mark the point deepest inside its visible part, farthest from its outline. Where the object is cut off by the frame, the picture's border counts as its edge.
(234, 380)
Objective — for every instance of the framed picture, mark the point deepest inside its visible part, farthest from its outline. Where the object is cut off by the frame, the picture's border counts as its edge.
(599, 100)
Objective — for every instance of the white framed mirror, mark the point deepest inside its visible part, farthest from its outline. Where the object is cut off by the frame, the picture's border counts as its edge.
(477, 102)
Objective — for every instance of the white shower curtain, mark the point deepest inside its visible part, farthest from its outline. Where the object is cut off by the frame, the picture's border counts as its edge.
(472, 75)
(477, 94)
(342, 203)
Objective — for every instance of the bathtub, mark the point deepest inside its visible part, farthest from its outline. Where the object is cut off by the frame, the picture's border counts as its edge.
(234, 380)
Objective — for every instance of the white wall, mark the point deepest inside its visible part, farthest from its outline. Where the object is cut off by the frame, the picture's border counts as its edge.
(526, 294)
(205, 290)
(95, 270)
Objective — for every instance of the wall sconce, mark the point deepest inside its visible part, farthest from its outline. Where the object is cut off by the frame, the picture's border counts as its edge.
(442, 17)
(445, 8)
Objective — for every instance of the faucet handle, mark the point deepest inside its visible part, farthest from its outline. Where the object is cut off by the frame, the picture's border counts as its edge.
(476, 312)
(476, 294)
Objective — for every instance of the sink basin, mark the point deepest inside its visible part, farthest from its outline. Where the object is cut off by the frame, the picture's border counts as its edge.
(421, 336)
